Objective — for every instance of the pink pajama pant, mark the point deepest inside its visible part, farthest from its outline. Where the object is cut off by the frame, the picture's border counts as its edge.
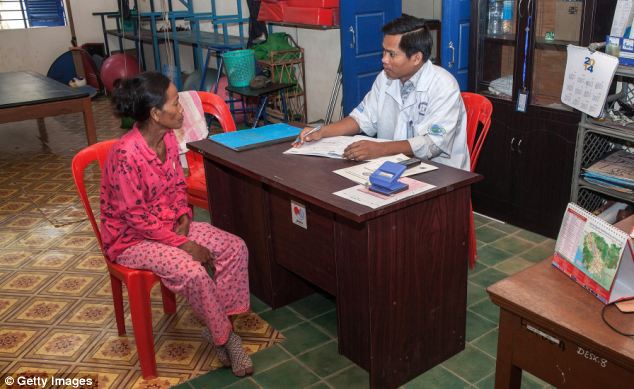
(212, 301)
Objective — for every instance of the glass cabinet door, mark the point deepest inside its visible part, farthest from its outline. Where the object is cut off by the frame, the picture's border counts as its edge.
(557, 24)
(496, 47)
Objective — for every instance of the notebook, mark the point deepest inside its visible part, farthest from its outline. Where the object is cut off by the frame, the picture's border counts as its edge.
(256, 137)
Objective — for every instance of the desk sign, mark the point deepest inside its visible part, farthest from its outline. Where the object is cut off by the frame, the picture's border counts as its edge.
(298, 214)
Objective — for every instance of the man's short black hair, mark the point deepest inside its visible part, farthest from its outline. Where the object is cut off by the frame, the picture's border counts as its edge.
(416, 36)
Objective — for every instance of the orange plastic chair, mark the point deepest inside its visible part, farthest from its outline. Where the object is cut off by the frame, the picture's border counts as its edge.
(138, 282)
(196, 182)
(479, 111)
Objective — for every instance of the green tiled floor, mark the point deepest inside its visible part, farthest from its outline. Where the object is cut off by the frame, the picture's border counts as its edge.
(308, 358)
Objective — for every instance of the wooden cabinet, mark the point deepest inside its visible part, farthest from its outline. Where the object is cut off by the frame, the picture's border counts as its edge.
(528, 155)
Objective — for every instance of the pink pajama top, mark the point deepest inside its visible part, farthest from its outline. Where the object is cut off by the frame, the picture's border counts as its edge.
(141, 197)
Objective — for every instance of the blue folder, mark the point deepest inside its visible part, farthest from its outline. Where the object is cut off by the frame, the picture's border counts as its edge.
(261, 136)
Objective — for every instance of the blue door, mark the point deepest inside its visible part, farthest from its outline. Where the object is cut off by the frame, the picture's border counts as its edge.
(455, 26)
(362, 45)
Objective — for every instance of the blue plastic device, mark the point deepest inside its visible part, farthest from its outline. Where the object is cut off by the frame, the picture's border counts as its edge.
(384, 180)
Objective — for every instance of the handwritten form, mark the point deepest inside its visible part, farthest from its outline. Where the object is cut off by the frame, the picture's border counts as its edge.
(361, 173)
(587, 79)
(332, 147)
(362, 195)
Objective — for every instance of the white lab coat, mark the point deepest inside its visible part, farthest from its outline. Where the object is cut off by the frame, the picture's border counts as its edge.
(434, 108)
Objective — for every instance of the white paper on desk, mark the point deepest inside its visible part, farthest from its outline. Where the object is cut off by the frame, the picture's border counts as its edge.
(587, 79)
(361, 173)
(622, 18)
(332, 147)
(362, 195)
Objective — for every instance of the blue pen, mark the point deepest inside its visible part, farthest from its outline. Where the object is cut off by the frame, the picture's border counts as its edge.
(308, 133)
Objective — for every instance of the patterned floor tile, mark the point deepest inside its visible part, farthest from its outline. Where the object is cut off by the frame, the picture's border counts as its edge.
(71, 284)
(14, 340)
(182, 352)
(104, 377)
(52, 260)
(6, 237)
(88, 314)
(113, 349)
(24, 222)
(33, 370)
(7, 304)
(25, 282)
(12, 259)
(37, 240)
(77, 242)
(41, 311)
(162, 382)
(62, 345)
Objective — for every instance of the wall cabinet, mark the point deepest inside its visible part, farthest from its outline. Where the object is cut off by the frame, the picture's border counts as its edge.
(528, 155)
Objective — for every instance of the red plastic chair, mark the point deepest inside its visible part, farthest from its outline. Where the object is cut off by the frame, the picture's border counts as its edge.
(196, 182)
(138, 282)
(479, 111)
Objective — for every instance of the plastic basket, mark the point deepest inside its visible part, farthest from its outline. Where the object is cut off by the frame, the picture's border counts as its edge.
(240, 67)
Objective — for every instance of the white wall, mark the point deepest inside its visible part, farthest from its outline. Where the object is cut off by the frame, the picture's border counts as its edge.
(423, 9)
(35, 49)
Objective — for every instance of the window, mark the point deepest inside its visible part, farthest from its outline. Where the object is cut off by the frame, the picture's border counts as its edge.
(31, 13)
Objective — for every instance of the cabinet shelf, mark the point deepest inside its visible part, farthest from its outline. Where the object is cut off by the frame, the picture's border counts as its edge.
(583, 184)
(541, 43)
(507, 39)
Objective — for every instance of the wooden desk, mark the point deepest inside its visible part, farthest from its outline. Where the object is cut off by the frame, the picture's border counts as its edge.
(399, 273)
(552, 328)
(29, 95)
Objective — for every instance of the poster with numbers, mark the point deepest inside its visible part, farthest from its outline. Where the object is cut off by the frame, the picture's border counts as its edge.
(587, 79)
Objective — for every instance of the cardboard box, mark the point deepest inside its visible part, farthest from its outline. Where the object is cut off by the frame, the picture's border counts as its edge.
(622, 48)
(568, 20)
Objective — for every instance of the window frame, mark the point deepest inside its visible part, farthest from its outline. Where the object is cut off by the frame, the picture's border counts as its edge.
(37, 13)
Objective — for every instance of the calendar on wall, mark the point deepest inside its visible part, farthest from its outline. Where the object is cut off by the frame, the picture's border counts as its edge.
(587, 79)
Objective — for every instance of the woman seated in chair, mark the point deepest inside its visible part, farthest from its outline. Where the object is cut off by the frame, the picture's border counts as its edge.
(146, 221)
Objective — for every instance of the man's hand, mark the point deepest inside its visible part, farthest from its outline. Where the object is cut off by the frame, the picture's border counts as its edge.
(305, 137)
(182, 226)
(364, 150)
(198, 252)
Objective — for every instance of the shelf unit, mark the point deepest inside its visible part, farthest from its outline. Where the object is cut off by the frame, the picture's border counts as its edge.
(595, 140)
(217, 41)
(288, 66)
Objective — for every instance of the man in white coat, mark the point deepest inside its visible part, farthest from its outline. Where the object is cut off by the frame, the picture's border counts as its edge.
(413, 102)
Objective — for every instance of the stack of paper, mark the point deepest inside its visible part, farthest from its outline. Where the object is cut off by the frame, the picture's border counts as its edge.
(361, 173)
(332, 147)
(616, 172)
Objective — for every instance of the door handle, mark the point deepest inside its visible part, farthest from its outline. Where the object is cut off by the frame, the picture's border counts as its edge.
(453, 54)
(519, 143)
(512, 142)
(354, 37)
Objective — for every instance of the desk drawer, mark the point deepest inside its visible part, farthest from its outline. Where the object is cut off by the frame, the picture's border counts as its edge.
(562, 362)
(307, 252)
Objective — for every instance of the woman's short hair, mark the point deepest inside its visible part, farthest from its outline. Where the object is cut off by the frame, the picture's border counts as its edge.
(135, 97)
(416, 36)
